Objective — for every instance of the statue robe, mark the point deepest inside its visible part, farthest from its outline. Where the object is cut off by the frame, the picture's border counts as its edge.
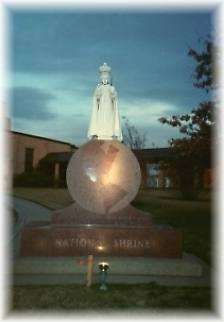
(105, 120)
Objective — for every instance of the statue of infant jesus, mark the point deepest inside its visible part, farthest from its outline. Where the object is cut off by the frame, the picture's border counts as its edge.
(105, 120)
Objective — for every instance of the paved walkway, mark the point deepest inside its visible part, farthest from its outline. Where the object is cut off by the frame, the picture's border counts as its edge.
(27, 211)
(31, 210)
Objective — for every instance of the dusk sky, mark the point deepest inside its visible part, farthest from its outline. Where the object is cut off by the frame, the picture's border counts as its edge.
(55, 58)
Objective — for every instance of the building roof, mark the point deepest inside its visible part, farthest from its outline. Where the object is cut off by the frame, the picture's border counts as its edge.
(44, 138)
(57, 157)
(157, 153)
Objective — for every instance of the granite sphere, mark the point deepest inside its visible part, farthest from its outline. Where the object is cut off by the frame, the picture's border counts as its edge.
(103, 176)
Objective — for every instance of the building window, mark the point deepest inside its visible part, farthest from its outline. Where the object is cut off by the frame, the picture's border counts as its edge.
(29, 159)
(167, 182)
(153, 175)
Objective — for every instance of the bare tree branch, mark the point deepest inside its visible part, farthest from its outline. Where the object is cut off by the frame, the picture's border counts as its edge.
(132, 137)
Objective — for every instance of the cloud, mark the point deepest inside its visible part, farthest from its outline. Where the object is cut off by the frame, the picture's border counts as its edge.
(54, 76)
(144, 115)
(146, 111)
(30, 103)
(64, 128)
(158, 135)
(73, 127)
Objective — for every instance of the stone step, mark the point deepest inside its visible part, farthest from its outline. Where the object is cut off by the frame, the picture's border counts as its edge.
(71, 279)
(188, 266)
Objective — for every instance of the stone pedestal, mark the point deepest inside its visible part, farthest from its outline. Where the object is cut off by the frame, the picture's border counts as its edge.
(74, 231)
(186, 271)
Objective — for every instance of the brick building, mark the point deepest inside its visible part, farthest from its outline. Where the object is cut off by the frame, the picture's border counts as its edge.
(28, 150)
(152, 175)
(52, 156)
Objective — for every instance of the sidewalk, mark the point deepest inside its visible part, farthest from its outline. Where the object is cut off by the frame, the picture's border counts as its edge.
(27, 211)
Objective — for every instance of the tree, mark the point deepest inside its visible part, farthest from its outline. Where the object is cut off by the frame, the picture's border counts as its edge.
(132, 137)
(191, 155)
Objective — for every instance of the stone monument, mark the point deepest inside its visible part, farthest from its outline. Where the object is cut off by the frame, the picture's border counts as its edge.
(103, 177)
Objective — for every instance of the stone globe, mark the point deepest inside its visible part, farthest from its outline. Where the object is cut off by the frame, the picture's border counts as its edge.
(103, 176)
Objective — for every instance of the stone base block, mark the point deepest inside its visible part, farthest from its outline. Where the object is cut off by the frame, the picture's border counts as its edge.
(101, 241)
(188, 265)
(74, 231)
(188, 271)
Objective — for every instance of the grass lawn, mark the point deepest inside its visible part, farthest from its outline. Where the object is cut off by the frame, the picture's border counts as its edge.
(141, 296)
(192, 218)
(48, 197)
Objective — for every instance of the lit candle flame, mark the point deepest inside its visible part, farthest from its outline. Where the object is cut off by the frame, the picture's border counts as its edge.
(100, 247)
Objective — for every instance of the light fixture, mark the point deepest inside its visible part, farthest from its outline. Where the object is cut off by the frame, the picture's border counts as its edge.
(104, 267)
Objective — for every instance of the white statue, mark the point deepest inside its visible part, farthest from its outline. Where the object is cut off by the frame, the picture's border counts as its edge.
(105, 120)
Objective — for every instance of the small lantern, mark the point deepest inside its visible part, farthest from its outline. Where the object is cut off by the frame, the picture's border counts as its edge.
(104, 267)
